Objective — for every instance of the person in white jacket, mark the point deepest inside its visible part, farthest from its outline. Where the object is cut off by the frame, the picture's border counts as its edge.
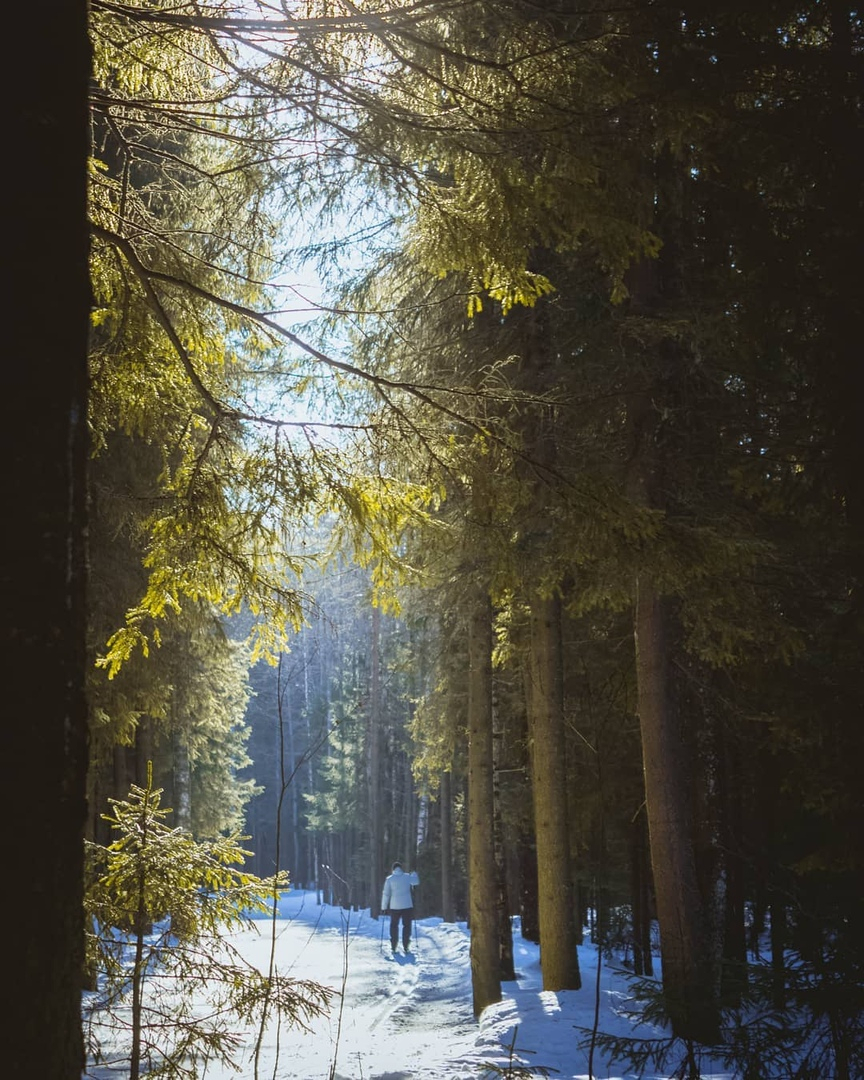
(397, 901)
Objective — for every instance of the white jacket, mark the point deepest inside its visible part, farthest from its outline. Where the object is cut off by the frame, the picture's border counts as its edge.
(397, 890)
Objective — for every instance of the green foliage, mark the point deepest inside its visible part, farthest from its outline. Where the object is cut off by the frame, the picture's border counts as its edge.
(190, 693)
(553, 163)
(340, 795)
(164, 366)
(816, 1033)
(506, 171)
(186, 231)
(159, 906)
(437, 723)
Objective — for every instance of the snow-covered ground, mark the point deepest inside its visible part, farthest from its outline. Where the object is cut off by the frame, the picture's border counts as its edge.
(411, 1018)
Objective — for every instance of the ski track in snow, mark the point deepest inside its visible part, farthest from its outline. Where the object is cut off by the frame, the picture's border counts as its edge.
(401, 1018)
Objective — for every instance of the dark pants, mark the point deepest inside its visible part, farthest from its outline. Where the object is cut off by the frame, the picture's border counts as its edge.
(407, 916)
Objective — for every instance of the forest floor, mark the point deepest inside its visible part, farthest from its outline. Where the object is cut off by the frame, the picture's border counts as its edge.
(411, 1017)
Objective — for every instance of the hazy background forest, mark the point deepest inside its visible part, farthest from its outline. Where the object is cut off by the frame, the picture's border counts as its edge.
(534, 558)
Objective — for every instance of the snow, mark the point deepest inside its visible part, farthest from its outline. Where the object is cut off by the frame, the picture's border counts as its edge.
(410, 1017)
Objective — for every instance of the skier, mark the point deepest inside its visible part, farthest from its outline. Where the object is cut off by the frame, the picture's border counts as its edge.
(397, 901)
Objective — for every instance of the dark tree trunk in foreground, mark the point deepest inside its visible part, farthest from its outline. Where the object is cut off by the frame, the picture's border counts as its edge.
(44, 562)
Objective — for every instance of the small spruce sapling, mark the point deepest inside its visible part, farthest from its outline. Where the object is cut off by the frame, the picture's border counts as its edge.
(158, 906)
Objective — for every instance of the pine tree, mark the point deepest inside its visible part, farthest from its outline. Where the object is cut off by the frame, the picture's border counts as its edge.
(160, 903)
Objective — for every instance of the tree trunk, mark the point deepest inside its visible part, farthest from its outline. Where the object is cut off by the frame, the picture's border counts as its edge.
(506, 969)
(528, 904)
(182, 794)
(712, 840)
(777, 909)
(287, 740)
(144, 750)
(313, 869)
(640, 897)
(558, 956)
(684, 942)
(734, 930)
(448, 908)
(842, 369)
(45, 455)
(373, 734)
(482, 878)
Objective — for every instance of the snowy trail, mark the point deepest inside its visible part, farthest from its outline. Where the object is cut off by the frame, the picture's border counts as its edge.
(411, 1018)
(402, 1018)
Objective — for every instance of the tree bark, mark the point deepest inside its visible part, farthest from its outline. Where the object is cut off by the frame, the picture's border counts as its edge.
(506, 969)
(289, 748)
(640, 898)
(528, 903)
(482, 878)
(686, 945)
(558, 956)
(448, 908)
(684, 942)
(376, 852)
(45, 453)
(182, 776)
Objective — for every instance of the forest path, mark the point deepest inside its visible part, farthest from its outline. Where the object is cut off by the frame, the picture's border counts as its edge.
(391, 1018)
